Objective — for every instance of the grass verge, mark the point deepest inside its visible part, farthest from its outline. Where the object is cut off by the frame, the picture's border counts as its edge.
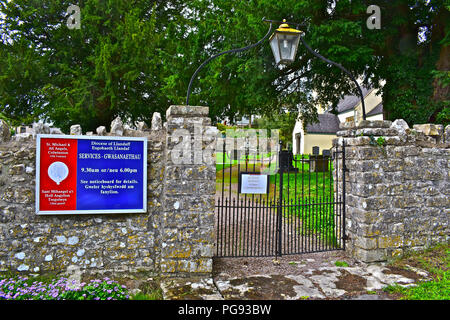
(435, 261)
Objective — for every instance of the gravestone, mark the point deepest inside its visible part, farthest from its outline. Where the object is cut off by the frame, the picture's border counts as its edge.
(315, 150)
(317, 162)
(286, 159)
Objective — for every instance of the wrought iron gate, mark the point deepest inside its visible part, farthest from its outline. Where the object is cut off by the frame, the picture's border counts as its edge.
(302, 209)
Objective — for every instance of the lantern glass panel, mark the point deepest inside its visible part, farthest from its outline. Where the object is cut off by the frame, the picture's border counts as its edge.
(275, 48)
(288, 46)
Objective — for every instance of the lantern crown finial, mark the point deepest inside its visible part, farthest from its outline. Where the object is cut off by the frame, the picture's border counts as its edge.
(284, 27)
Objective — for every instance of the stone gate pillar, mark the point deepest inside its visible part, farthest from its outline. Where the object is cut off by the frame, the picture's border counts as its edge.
(397, 187)
(188, 240)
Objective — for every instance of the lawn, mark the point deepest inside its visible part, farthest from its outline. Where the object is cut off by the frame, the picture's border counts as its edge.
(223, 160)
(296, 186)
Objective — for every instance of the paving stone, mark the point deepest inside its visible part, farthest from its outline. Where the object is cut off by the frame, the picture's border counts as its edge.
(330, 282)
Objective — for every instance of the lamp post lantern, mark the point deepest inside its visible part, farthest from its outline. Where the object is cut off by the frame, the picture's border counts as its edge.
(284, 43)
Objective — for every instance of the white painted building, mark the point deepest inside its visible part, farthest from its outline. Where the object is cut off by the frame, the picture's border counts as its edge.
(321, 134)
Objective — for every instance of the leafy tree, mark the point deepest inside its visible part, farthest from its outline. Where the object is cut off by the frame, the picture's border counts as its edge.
(109, 67)
(284, 121)
(406, 52)
(133, 57)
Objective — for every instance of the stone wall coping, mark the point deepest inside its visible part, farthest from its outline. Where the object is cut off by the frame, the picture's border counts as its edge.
(187, 111)
(428, 134)
(118, 129)
(365, 124)
(430, 129)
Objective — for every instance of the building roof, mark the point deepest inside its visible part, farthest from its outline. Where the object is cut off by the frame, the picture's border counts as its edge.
(377, 110)
(350, 102)
(328, 123)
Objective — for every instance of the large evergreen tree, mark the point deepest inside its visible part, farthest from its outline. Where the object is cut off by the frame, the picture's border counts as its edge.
(409, 52)
(133, 57)
(110, 66)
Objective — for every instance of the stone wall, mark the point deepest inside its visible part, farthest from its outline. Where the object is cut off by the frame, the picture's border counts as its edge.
(397, 187)
(397, 199)
(177, 226)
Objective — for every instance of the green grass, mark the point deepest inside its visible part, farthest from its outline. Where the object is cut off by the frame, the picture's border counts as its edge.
(152, 295)
(304, 184)
(436, 261)
(341, 264)
(150, 290)
(223, 161)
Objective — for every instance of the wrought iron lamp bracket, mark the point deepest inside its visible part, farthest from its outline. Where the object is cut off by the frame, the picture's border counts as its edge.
(298, 25)
(220, 54)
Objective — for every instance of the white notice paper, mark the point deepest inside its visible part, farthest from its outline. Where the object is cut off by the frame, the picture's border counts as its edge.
(254, 183)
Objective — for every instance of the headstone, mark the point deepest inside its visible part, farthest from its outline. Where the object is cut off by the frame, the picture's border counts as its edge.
(317, 162)
(315, 150)
(286, 159)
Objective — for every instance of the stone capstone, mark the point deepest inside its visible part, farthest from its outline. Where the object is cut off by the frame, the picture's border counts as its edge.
(117, 127)
(5, 134)
(76, 130)
(156, 121)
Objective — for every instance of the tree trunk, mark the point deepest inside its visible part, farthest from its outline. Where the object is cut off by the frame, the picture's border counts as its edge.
(441, 93)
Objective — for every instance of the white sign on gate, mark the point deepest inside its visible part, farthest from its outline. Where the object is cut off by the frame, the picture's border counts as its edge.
(254, 183)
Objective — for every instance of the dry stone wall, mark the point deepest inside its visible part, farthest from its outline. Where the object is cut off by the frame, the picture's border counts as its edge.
(168, 239)
(397, 187)
(397, 199)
